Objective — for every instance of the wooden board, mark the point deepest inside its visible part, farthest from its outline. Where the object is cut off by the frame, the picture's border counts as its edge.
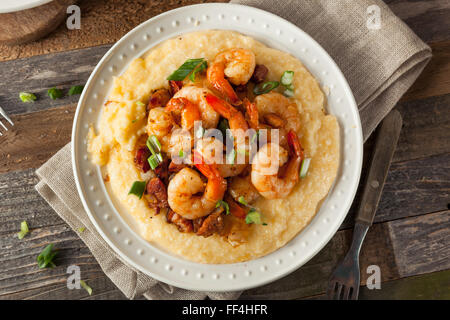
(32, 24)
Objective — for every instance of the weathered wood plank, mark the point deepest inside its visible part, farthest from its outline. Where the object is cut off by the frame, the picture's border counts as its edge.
(427, 18)
(312, 278)
(103, 23)
(35, 138)
(39, 73)
(432, 286)
(435, 78)
(415, 253)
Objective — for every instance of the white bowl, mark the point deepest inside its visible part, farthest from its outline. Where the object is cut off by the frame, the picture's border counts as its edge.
(118, 231)
(19, 5)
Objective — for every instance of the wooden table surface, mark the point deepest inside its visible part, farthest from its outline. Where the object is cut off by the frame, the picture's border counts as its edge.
(410, 239)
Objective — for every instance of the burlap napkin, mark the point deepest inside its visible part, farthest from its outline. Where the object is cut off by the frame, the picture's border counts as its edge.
(380, 65)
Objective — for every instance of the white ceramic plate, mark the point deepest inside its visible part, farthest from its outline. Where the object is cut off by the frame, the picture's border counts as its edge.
(104, 211)
(18, 5)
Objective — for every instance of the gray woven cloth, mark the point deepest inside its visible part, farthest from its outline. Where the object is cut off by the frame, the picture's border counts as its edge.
(380, 66)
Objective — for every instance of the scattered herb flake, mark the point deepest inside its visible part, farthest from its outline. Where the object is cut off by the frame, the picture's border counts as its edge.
(54, 93)
(23, 230)
(223, 204)
(242, 200)
(75, 90)
(86, 287)
(253, 216)
(45, 258)
(81, 230)
(27, 97)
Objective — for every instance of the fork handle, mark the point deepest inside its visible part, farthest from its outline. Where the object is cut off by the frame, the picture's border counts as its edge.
(385, 145)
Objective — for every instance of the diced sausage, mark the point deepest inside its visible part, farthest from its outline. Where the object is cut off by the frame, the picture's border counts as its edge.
(158, 190)
(183, 225)
(140, 158)
(260, 73)
(159, 98)
(162, 170)
(214, 223)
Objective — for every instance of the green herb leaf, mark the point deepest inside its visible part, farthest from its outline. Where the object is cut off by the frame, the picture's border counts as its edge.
(75, 90)
(86, 287)
(81, 230)
(181, 153)
(242, 200)
(253, 216)
(138, 188)
(200, 68)
(223, 204)
(265, 87)
(27, 97)
(45, 258)
(304, 167)
(287, 78)
(23, 230)
(54, 93)
(187, 67)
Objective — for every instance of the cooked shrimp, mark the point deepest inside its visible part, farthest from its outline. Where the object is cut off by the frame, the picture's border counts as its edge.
(212, 150)
(243, 187)
(278, 112)
(196, 95)
(185, 186)
(160, 124)
(266, 164)
(190, 112)
(237, 65)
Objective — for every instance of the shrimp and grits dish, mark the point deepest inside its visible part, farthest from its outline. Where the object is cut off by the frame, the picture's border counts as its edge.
(218, 146)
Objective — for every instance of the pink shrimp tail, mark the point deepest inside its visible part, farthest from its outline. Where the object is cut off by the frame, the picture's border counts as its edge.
(295, 148)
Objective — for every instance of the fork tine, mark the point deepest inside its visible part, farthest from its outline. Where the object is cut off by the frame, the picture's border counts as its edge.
(340, 292)
(3, 113)
(4, 127)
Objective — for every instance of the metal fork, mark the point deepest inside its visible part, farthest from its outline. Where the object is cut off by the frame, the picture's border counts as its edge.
(3, 113)
(345, 280)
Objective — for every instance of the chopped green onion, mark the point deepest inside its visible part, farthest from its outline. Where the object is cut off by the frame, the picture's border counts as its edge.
(199, 68)
(54, 93)
(242, 200)
(23, 230)
(187, 67)
(265, 87)
(153, 144)
(181, 153)
(138, 188)
(287, 78)
(231, 156)
(288, 93)
(154, 162)
(81, 230)
(45, 258)
(253, 216)
(223, 204)
(86, 287)
(75, 90)
(140, 104)
(304, 167)
(27, 97)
